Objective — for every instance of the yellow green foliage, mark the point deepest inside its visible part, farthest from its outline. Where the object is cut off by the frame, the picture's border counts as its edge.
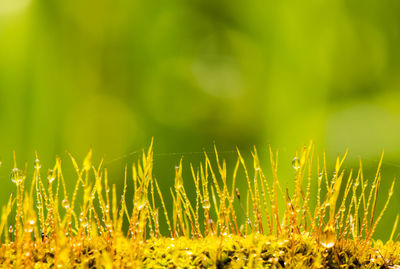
(43, 226)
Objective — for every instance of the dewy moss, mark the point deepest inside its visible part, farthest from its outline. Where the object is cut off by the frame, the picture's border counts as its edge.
(43, 226)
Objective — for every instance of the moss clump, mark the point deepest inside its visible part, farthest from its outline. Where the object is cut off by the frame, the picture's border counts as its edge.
(42, 227)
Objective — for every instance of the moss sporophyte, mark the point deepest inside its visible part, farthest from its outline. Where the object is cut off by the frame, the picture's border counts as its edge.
(221, 226)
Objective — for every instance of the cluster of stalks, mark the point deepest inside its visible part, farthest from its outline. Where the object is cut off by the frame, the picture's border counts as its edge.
(220, 225)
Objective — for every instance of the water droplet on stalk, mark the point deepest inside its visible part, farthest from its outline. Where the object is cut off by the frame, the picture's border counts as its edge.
(36, 164)
(16, 176)
(328, 237)
(50, 176)
(65, 204)
(296, 163)
(141, 203)
(30, 225)
(179, 184)
(206, 204)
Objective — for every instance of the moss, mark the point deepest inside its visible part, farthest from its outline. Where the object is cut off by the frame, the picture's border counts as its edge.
(42, 227)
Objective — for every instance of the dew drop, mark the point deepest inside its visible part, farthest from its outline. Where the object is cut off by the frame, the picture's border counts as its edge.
(296, 163)
(141, 203)
(50, 176)
(328, 237)
(83, 220)
(179, 184)
(36, 164)
(206, 204)
(30, 225)
(16, 176)
(11, 229)
(65, 203)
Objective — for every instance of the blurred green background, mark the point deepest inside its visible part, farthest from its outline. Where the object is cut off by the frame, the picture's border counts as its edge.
(113, 74)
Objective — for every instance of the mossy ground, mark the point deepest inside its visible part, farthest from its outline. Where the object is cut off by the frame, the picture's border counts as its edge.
(43, 226)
